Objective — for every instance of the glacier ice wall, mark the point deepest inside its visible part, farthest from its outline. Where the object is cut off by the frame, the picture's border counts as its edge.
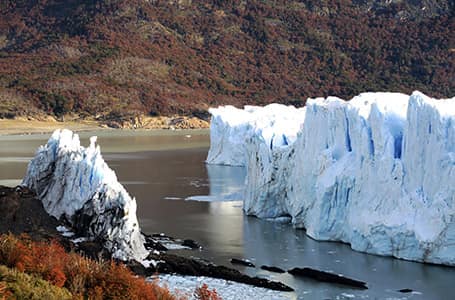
(376, 172)
(230, 127)
(75, 183)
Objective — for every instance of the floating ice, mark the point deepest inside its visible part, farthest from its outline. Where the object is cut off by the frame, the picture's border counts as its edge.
(377, 172)
(228, 290)
(75, 183)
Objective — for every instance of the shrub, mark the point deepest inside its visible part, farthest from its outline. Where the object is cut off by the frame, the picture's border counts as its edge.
(4, 292)
(18, 285)
(74, 274)
(203, 293)
(44, 259)
(83, 277)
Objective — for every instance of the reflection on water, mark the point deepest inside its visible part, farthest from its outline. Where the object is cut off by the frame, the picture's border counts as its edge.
(161, 180)
(225, 184)
(10, 182)
(280, 245)
(17, 150)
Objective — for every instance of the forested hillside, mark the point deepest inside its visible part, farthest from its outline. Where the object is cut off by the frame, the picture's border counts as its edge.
(101, 58)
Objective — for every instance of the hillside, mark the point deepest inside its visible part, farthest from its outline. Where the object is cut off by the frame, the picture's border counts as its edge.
(111, 58)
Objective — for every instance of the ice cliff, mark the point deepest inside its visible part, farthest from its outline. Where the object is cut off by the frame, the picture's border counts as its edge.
(377, 172)
(231, 127)
(75, 183)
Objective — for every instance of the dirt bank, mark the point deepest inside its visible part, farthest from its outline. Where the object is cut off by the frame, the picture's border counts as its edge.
(49, 124)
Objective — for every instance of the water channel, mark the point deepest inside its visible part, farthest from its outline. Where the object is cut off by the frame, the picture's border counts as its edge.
(163, 168)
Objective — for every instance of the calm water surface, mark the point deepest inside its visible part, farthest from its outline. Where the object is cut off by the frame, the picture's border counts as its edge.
(162, 168)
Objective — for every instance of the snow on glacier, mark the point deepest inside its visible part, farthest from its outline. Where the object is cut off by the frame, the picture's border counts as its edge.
(76, 184)
(376, 172)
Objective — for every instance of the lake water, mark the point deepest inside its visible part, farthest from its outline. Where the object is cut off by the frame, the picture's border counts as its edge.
(162, 168)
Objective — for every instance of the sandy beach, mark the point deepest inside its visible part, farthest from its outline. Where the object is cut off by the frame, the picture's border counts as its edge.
(24, 126)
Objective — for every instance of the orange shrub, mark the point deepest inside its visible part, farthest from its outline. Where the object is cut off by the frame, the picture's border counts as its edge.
(44, 259)
(203, 293)
(83, 277)
(13, 253)
(4, 293)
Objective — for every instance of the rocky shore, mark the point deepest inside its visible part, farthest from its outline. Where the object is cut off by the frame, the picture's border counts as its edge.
(21, 212)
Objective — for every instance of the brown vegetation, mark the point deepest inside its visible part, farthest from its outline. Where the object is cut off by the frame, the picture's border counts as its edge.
(72, 276)
(36, 266)
(83, 277)
(204, 293)
(180, 57)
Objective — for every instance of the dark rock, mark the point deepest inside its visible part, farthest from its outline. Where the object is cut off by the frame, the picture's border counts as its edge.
(155, 242)
(273, 269)
(159, 235)
(327, 277)
(170, 263)
(176, 121)
(93, 249)
(405, 291)
(191, 244)
(202, 114)
(150, 244)
(242, 262)
(137, 268)
(22, 212)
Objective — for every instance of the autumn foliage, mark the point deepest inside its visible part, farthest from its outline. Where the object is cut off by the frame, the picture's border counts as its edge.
(83, 277)
(163, 57)
(204, 293)
(4, 293)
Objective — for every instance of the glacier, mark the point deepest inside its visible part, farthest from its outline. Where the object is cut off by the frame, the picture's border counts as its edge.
(230, 127)
(376, 172)
(75, 184)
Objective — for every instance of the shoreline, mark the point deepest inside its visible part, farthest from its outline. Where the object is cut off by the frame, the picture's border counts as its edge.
(24, 126)
(21, 211)
(9, 127)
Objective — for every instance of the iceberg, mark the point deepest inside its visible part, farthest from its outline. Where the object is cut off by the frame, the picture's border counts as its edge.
(376, 172)
(75, 184)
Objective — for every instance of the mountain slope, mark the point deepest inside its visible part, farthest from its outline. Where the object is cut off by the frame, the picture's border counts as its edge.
(114, 57)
